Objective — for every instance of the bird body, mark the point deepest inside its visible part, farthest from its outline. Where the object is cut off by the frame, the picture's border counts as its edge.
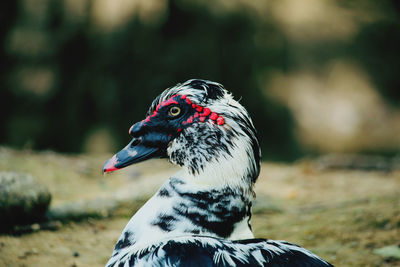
(201, 215)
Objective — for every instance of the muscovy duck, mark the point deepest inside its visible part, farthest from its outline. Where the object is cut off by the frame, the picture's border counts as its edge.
(201, 215)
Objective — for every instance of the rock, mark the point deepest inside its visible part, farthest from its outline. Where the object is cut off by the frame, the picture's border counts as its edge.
(389, 252)
(78, 210)
(25, 229)
(22, 199)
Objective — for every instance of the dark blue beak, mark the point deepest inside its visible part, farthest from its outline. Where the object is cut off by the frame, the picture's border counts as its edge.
(136, 151)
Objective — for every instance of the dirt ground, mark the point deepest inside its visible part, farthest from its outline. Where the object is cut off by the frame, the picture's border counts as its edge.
(342, 215)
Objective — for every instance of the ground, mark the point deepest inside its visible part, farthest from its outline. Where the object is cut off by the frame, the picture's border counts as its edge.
(344, 216)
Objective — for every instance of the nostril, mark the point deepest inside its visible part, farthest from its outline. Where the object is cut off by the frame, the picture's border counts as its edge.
(136, 141)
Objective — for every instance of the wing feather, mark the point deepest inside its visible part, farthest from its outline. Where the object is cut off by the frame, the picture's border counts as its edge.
(208, 251)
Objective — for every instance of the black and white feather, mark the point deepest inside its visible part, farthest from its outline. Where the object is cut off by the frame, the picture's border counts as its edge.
(201, 215)
(208, 251)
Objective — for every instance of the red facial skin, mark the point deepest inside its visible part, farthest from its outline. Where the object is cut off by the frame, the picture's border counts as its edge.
(206, 112)
(220, 120)
(201, 114)
(214, 117)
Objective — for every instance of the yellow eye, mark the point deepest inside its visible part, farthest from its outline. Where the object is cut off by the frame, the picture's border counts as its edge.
(174, 111)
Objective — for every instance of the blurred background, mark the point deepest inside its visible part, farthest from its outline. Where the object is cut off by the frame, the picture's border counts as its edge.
(317, 76)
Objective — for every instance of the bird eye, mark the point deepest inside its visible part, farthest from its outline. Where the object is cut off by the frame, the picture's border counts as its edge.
(174, 111)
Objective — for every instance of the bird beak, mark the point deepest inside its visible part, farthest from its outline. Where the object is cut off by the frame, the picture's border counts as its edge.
(134, 152)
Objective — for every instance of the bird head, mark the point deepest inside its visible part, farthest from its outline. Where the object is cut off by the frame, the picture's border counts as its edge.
(198, 126)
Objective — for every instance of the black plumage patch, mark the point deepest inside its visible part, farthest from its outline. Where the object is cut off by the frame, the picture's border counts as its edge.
(164, 193)
(165, 222)
(214, 90)
(125, 241)
(249, 215)
(192, 231)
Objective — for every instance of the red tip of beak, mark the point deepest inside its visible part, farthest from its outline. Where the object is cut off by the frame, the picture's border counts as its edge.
(109, 166)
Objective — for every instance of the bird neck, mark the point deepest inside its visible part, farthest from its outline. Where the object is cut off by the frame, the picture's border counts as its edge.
(181, 208)
(221, 212)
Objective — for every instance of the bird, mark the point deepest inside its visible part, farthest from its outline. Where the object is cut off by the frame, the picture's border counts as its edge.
(201, 215)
